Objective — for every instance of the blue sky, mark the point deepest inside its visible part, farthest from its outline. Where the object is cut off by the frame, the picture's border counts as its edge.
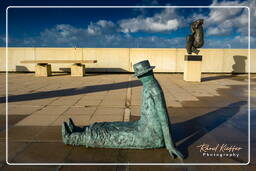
(125, 27)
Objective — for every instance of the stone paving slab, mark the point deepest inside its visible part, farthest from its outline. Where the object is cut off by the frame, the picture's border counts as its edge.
(22, 110)
(15, 148)
(93, 96)
(106, 118)
(38, 120)
(22, 133)
(49, 134)
(88, 102)
(61, 102)
(51, 110)
(78, 155)
(106, 111)
(12, 120)
(36, 102)
(2, 109)
(113, 102)
(78, 119)
(146, 156)
(43, 153)
(80, 111)
(71, 97)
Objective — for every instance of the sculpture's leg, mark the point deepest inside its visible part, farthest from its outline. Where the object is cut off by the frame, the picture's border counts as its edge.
(72, 138)
(195, 50)
(189, 43)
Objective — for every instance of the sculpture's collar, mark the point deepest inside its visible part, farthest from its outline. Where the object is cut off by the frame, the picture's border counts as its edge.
(148, 81)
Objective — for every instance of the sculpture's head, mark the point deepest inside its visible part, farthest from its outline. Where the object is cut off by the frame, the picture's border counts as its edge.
(199, 22)
(142, 68)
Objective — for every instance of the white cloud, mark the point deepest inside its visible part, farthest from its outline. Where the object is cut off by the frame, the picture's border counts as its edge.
(101, 26)
(64, 35)
(225, 28)
(166, 20)
(96, 34)
(223, 21)
(148, 25)
(229, 42)
(221, 14)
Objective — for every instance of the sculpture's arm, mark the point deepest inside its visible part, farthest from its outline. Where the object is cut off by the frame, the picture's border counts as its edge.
(192, 28)
(163, 117)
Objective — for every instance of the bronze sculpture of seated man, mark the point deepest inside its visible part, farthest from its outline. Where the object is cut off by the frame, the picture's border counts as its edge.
(150, 131)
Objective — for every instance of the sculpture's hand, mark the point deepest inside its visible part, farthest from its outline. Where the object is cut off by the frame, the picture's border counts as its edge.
(177, 153)
(171, 155)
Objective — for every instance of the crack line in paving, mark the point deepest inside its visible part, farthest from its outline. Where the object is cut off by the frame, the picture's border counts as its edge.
(18, 152)
(97, 107)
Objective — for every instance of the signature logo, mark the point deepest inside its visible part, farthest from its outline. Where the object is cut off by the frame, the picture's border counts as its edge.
(219, 150)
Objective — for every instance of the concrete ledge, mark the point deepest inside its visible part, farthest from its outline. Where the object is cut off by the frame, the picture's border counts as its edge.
(121, 59)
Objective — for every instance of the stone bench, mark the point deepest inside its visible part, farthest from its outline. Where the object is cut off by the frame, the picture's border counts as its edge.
(43, 67)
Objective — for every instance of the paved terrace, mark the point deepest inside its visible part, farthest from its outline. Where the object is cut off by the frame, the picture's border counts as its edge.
(214, 111)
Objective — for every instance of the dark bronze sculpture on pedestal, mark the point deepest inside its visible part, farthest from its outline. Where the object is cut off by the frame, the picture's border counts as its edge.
(196, 39)
(151, 131)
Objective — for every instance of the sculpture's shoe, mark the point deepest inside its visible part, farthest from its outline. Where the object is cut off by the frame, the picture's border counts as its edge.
(71, 125)
(195, 50)
(65, 132)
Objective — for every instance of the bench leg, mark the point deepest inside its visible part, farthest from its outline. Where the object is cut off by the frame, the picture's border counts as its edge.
(43, 70)
(78, 70)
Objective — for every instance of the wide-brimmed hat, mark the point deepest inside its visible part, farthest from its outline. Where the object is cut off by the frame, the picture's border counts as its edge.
(142, 67)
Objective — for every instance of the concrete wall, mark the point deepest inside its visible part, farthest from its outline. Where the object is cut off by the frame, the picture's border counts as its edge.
(122, 59)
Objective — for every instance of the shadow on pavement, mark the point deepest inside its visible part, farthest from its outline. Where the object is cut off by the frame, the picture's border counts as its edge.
(71, 91)
(195, 128)
(211, 78)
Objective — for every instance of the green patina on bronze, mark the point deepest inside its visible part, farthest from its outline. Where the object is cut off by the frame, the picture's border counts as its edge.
(151, 131)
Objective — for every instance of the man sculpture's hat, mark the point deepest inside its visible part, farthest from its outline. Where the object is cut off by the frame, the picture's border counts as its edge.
(142, 67)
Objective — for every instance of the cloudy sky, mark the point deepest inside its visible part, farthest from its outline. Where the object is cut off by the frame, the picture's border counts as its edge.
(127, 27)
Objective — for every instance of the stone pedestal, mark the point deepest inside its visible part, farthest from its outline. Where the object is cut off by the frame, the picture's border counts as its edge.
(43, 70)
(78, 70)
(192, 68)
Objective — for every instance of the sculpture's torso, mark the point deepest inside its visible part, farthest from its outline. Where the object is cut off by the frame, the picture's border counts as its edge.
(199, 37)
(149, 123)
(144, 133)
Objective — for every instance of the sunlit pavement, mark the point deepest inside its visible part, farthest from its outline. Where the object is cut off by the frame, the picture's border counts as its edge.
(212, 112)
